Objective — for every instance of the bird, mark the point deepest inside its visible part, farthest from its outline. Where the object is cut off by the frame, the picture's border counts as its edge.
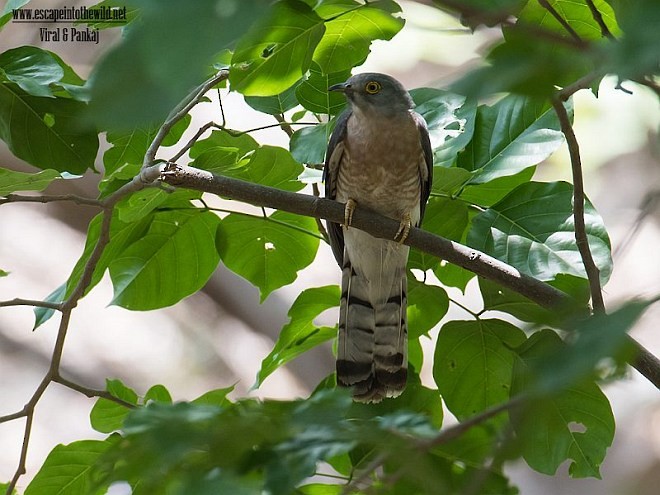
(379, 159)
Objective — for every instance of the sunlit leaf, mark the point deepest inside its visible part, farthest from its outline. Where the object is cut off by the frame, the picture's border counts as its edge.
(349, 34)
(510, 136)
(532, 229)
(277, 50)
(172, 260)
(68, 469)
(270, 251)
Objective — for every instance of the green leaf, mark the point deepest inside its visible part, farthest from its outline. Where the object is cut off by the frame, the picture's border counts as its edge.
(427, 304)
(577, 424)
(300, 334)
(349, 34)
(498, 298)
(450, 120)
(532, 229)
(6, 13)
(473, 364)
(313, 92)
(446, 217)
(174, 259)
(453, 276)
(217, 397)
(595, 339)
(277, 50)
(68, 470)
(510, 136)
(489, 193)
(576, 14)
(269, 251)
(46, 132)
(274, 105)
(319, 489)
(128, 147)
(447, 181)
(140, 204)
(107, 416)
(157, 393)
(11, 181)
(31, 68)
(121, 235)
(135, 84)
(309, 144)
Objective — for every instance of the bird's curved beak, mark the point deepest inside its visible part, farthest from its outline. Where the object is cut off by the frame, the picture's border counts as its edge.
(343, 87)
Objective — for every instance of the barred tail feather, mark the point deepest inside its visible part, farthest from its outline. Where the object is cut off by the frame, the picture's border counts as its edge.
(372, 355)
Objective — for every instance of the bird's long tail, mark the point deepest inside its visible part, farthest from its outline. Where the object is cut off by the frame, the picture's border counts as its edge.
(372, 354)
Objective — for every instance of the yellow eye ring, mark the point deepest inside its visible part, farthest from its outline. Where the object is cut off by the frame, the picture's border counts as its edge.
(372, 87)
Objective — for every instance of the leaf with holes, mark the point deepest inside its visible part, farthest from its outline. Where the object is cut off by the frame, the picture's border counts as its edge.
(46, 132)
(269, 251)
(276, 51)
(532, 229)
(301, 334)
(575, 424)
(473, 364)
(350, 31)
(174, 259)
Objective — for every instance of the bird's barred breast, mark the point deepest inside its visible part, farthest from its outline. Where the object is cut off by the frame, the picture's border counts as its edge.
(382, 175)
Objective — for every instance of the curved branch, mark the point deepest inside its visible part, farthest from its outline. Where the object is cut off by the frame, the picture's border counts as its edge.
(379, 226)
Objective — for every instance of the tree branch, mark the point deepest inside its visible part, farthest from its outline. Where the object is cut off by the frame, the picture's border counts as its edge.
(569, 29)
(593, 274)
(383, 227)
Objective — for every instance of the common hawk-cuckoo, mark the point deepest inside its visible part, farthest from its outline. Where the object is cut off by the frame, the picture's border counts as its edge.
(379, 158)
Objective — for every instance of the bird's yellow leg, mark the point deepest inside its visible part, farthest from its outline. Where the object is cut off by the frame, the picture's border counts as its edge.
(404, 228)
(348, 212)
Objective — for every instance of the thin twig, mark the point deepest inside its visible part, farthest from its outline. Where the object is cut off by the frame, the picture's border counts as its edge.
(90, 392)
(19, 198)
(453, 432)
(30, 302)
(178, 113)
(584, 82)
(284, 125)
(194, 139)
(593, 274)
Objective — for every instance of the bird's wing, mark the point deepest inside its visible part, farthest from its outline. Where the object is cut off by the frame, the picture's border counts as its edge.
(333, 158)
(426, 168)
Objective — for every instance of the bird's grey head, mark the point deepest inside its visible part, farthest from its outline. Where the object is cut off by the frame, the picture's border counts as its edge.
(374, 92)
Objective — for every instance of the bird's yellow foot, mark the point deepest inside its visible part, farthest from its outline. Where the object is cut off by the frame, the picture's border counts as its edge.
(348, 212)
(404, 229)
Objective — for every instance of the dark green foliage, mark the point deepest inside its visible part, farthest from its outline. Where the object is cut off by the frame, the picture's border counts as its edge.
(165, 244)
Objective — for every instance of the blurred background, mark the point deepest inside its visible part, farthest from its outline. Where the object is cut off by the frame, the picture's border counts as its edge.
(218, 337)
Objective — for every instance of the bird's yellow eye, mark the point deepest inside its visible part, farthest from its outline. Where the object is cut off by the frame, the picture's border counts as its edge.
(372, 87)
